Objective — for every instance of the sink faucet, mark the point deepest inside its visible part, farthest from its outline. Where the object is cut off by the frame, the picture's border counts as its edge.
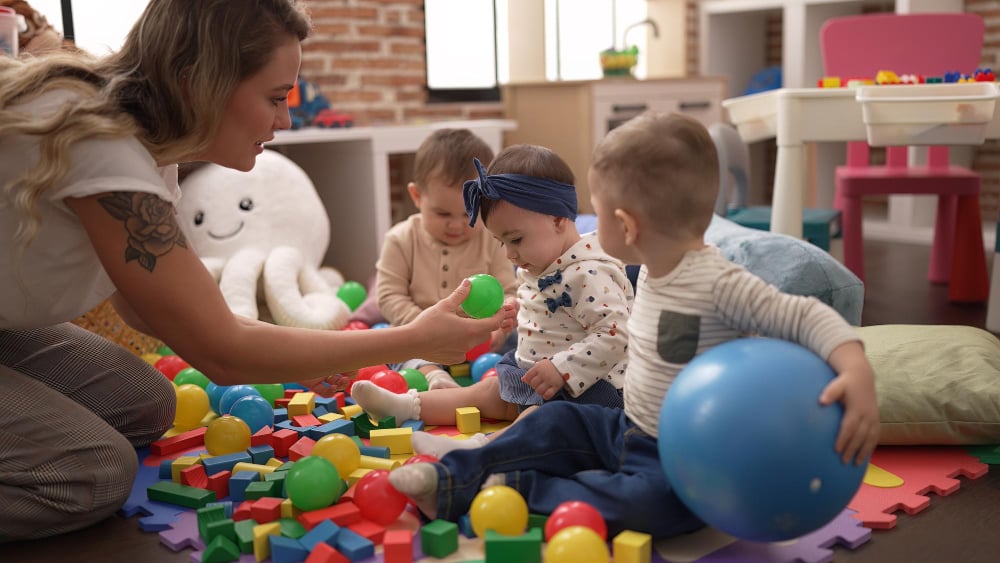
(647, 21)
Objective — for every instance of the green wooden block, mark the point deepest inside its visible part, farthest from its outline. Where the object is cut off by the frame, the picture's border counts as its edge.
(537, 521)
(220, 550)
(180, 495)
(439, 538)
(244, 535)
(291, 528)
(284, 466)
(207, 515)
(526, 548)
(261, 489)
(225, 528)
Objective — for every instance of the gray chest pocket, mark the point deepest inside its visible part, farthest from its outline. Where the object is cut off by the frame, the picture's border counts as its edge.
(677, 337)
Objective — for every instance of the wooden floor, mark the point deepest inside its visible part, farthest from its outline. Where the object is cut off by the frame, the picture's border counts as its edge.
(960, 527)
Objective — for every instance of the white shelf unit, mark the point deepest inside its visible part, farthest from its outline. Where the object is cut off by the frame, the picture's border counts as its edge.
(733, 44)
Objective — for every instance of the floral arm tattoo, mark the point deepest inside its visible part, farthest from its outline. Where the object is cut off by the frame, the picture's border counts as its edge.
(149, 222)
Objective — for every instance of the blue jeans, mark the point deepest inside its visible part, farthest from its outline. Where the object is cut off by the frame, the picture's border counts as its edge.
(568, 451)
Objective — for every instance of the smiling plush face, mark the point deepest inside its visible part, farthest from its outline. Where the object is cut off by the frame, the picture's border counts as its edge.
(223, 211)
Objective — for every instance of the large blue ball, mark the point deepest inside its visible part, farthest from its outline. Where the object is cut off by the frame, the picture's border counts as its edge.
(255, 410)
(483, 363)
(235, 393)
(747, 446)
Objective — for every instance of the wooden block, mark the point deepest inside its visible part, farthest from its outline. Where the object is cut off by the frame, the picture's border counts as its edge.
(179, 443)
(467, 419)
(397, 546)
(261, 545)
(195, 476)
(396, 439)
(632, 547)
(267, 509)
(301, 448)
(181, 495)
(302, 403)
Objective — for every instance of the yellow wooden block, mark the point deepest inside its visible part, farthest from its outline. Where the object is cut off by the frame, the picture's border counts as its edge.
(301, 403)
(460, 370)
(633, 547)
(330, 417)
(357, 474)
(830, 82)
(274, 462)
(288, 509)
(180, 464)
(261, 545)
(350, 410)
(396, 439)
(372, 462)
(260, 469)
(467, 419)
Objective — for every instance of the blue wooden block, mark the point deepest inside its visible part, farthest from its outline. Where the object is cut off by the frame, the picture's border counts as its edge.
(260, 454)
(320, 410)
(416, 425)
(465, 526)
(227, 506)
(238, 484)
(300, 430)
(287, 550)
(353, 545)
(226, 462)
(324, 532)
(375, 451)
(342, 426)
(280, 415)
(165, 471)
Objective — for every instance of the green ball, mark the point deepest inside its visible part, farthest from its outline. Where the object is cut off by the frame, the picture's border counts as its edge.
(270, 391)
(352, 293)
(415, 379)
(312, 483)
(485, 296)
(165, 351)
(191, 375)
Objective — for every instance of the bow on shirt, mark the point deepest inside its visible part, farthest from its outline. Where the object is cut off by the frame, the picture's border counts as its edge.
(554, 303)
(549, 280)
(540, 195)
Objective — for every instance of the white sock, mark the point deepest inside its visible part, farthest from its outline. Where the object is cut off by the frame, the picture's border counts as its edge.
(439, 379)
(381, 403)
(419, 481)
(438, 446)
(493, 480)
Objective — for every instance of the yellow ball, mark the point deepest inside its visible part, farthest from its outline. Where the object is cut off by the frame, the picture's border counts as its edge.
(192, 406)
(151, 358)
(501, 509)
(341, 451)
(576, 544)
(227, 435)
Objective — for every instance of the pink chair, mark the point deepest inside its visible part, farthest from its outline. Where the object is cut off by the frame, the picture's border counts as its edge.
(929, 45)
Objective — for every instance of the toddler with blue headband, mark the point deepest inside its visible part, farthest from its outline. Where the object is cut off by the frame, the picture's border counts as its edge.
(573, 305)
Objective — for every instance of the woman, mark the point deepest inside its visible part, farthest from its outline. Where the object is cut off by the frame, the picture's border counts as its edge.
(88, 155)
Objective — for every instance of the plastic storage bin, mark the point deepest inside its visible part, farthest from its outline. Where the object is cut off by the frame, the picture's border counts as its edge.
(927, 114)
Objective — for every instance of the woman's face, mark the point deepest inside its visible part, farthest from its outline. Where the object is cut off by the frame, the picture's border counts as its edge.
(257, 107)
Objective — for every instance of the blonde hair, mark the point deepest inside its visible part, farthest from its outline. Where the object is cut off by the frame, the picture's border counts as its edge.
(447, 155)
(167, 86)
(666, 165)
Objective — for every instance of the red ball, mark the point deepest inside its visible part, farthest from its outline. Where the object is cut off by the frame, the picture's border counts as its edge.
(170, 366)
(492, 372)
(575, 513)
(476, 351)
(376, 498)
(365, 374)
(421, 458)
(356, 325)
(390, 381)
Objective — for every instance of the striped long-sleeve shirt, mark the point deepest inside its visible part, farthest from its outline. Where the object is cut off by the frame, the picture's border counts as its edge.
(705, 301)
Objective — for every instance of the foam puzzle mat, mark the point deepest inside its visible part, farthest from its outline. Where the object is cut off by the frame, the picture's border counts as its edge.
(899, 478)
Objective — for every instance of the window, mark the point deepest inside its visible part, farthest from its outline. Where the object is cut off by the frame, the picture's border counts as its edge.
(98, 26)
(461, 43)
(578, 30)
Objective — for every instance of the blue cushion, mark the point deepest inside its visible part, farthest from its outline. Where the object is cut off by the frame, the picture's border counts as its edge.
(792, 265)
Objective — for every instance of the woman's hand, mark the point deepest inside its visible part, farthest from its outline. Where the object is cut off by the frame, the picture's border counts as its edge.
(449, 334)
(328, 386)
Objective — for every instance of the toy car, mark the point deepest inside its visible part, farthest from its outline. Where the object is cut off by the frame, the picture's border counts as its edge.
(331, 118)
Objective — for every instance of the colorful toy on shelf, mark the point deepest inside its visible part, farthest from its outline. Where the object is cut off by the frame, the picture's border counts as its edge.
(305, 102)
(619, 63)
(984, 75)
(331, 118)
(886, 77)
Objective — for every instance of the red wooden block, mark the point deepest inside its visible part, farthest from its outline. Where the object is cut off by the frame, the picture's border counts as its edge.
(369, 530)
(306, 420)
(282, 440)
(179, 443)
(195, 476)
(301, 448)
(266, 509)
(262, 437)
(219, 482)
(242, 511)
(342, 514)
(289, 393)
(282, 402)
(923, 470)
(325, 553)
(397, 546)
(341, 399)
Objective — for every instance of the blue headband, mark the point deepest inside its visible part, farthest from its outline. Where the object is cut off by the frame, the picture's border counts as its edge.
(540, 195)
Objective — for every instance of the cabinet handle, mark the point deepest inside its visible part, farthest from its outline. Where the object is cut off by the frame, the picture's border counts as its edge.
(632, 108)
(703, 104)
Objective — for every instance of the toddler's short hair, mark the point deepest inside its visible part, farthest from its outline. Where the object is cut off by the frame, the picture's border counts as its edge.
(667, 165)
(446, 155)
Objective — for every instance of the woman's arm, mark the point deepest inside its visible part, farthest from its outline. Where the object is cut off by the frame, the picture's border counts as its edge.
(161, 279)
